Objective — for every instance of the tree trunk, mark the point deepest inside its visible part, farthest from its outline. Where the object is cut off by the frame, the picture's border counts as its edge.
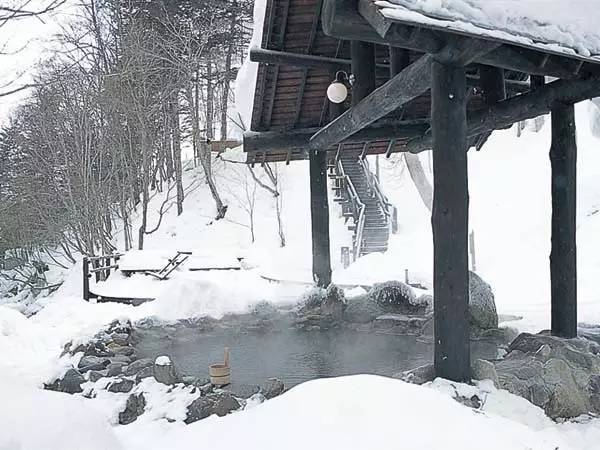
(176, 145)
(417, 174)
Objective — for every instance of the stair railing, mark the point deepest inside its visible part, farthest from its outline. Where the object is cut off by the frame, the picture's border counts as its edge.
(375, 187)
(357, 207)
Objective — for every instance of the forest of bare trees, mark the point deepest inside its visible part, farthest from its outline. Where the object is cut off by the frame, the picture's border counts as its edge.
(103, 127)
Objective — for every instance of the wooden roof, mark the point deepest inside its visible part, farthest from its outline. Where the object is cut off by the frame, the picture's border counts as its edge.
(568, 28)
(289, 97)
(292, 97)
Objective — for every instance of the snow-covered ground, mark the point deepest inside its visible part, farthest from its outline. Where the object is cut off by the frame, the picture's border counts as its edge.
(510, 214)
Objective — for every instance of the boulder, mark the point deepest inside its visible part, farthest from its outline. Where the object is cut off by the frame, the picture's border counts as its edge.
(88, 363)
(146, 372)
(165, 371)
(272, 388)
(243, 390)
(122, 350)
(484, 370)
(334, 302)
(136, 403)
(221, 404)
(122, 385)
(396, 298)
(199, 409)
(115, 369)
(138, 365)
(401, 324)
(362, 309)
(558, 375)
(120, 338)
(482, 306)
(70, 383)
(95, 375)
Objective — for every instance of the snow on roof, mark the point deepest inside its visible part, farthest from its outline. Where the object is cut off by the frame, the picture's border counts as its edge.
(569, 27)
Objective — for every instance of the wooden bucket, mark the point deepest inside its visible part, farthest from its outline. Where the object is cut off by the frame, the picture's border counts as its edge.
(220, 374)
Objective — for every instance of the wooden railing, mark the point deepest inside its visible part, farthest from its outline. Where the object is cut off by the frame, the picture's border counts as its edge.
(100, 267)
(389, 210)
(356, 206)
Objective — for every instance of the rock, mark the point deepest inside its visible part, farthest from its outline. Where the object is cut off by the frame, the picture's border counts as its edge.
(138, 365)
(146, 372)
(115, 369)
(401, 324)
(88, 363)
(484, 370)
(120, 326)
(199, 409)
(120, 338)
(203, 407)
(165, 371)
(122, 385)
(96, 348)
(71, 382)
(95, 375)
(122, 350)
(264, 309)
(558, 375)
(334, 302)
(312, 299)
(136, 403)
(224, 404)
(426, 299)
(482, 307)
(243, 390)
(420, 375)
(362, 309)
(120, 359)
(272, 388)
(396, 298)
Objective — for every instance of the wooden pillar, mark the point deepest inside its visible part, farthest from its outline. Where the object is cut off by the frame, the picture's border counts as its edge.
(450, 219)
(492, 84)
(319, 213)
(363, 69)
(563, 256)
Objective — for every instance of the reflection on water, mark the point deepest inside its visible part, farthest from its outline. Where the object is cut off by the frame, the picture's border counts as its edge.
(291, 355)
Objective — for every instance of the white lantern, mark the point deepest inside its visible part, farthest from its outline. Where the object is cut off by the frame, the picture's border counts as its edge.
(337, 92)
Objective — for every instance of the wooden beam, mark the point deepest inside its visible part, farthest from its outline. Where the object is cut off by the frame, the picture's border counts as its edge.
(299, 139)
(563, 256)
(450, 217)
(526, 106)
(407, 85)
(275, 57)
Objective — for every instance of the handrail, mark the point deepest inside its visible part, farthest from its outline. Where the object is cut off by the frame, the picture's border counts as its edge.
(358, 209)
(388, 208)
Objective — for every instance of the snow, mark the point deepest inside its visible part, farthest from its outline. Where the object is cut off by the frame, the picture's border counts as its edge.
(366, 411)
(163, 361)
(32, 419)
(565, 27)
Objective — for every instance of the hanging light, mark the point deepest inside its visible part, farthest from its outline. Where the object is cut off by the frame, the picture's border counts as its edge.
(337, 91)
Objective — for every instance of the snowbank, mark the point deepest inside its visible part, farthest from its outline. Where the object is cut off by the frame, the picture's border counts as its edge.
(357, 412)
(33, 419)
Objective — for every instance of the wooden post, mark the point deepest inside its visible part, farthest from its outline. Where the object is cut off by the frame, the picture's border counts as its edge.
(399, 60)
(450, 219)
(563, 256)
(363, 69)
(319, 209)
(86, 279)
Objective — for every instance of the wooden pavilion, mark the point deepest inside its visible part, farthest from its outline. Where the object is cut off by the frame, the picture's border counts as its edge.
(418, 81)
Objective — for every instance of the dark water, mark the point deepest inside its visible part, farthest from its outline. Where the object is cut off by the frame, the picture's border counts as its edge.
(291, 355)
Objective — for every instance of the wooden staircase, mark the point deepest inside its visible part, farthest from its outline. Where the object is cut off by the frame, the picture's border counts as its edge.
(362, 199)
